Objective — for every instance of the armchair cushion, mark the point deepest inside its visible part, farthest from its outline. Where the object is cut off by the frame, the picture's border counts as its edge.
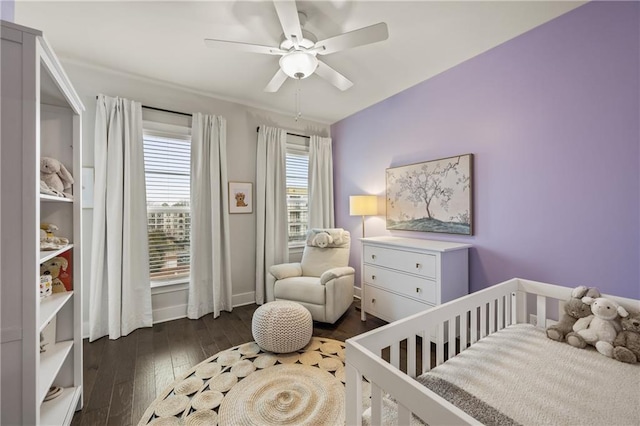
(334, 273)
(300, 289)
(286, 270)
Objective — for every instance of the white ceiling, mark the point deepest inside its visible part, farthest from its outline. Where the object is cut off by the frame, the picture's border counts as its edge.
(164, 41)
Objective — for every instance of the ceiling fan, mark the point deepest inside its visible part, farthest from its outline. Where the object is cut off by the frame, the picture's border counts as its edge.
(299, 48)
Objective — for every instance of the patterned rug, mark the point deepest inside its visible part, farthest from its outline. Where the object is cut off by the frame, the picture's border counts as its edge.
(245, 385)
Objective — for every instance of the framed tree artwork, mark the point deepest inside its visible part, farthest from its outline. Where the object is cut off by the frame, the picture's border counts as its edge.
(434, 196)
(240, 197)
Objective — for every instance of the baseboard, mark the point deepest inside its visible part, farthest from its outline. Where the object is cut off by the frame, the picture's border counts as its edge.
(169, 313)
(357, 292)
(243, 299)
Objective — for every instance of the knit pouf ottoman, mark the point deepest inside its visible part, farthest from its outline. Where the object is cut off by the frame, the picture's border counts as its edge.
(282, 326)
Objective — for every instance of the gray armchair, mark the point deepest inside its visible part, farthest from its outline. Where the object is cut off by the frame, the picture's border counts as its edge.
(322, 281)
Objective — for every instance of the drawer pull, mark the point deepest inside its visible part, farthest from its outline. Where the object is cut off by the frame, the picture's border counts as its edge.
(373, 300)
(373, 277)
(418, 266)
(373, 256)
(418, 290)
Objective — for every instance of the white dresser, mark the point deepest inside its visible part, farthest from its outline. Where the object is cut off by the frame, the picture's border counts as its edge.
(403, 276)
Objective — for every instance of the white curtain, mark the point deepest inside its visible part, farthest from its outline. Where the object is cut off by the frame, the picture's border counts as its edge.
(120, 292)
(272, 245)
(210, 278)
(320, 183)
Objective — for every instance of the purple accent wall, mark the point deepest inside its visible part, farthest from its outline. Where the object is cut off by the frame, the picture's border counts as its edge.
(552, 118)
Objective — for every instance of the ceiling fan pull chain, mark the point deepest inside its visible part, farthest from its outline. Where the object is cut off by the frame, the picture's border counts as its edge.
(298, 111)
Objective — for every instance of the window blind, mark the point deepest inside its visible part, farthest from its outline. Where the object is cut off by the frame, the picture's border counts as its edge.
(167, 175)
(297, 165)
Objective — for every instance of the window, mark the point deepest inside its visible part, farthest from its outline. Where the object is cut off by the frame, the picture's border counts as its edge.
(297, 165)
(167, 162)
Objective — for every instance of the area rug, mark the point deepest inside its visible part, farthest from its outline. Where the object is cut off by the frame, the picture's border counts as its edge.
(245, 385)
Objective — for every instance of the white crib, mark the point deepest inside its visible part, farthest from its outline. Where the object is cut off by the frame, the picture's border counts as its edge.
(467, 320)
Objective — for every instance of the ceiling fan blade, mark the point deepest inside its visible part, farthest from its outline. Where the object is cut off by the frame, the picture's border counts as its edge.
(366, 35)
(288, 15)
(333, 76)
(239, 46)
(276, 82)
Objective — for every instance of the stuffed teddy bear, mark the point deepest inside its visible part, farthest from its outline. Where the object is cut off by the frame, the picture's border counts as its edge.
(322, 239)
(626, 347)
(53, 267)
(574, 309)
(55, 175)
(599, 329)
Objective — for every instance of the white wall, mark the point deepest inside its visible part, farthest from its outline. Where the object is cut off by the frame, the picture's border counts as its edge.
(242, 122)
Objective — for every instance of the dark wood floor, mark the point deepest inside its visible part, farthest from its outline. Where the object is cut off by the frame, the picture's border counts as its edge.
(122, 377)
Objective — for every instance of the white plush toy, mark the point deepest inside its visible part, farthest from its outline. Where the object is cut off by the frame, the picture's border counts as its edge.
(55, 174)
(599, 329)
(322, 239)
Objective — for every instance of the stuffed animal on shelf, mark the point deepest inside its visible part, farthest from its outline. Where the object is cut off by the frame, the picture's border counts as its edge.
(599, 329)
(322, 239)
(574, 309)
(54, 267)
(49, 241)
(626, 347)
(55, 175)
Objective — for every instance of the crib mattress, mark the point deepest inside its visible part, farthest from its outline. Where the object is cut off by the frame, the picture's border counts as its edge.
(519, 376)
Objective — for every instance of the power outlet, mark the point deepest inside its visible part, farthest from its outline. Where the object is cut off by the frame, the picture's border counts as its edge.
(533, 320)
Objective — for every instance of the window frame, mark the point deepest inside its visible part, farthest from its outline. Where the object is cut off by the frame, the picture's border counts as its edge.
(298, 145)
(176, 132)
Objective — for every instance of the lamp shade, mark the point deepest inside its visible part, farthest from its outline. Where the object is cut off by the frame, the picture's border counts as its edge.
(363, 205)
(298, 64)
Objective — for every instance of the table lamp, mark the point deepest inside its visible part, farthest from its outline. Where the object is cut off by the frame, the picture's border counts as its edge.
(363, 205)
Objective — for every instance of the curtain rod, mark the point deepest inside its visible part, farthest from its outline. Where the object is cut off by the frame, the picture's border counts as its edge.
(289, 133)
(165, 110)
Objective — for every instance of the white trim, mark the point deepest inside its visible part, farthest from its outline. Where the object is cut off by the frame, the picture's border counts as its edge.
(243, 299)
(199, 92)
(160, 287)
(169, 313)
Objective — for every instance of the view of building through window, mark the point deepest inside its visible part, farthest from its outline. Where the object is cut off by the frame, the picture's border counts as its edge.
(167, 175)
(297, 166)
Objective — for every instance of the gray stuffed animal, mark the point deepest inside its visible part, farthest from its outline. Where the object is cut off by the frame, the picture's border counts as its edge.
(626, 347)
(574, 309)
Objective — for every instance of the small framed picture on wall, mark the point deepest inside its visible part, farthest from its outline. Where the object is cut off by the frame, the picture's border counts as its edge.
(240, 197)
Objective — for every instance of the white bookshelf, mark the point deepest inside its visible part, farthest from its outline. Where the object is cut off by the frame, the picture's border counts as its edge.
(41, 116)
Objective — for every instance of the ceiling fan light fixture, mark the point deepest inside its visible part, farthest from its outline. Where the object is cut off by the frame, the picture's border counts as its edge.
(298, 64)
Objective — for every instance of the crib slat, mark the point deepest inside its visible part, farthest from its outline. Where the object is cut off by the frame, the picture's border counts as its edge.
(426, 352)
(439, 343)
(463, 331)
(452, 338)
(404, 415)
(500, 312)
(376, 405)
(541, 310)
(354, 395)
(474, 325)
(411, 356)
(492, 316)
(483, 320)
(395, 355)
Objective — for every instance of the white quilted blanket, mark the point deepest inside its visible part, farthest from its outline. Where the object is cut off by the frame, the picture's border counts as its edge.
(537, 381)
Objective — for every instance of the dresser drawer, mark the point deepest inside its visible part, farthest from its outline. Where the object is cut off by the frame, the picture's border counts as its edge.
(409, 285)
(389, 306)
(414, 263)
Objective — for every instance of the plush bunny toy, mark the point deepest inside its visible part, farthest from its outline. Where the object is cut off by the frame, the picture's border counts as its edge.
(322, 239)
(599, 329)
(55, 174)
(574, 309)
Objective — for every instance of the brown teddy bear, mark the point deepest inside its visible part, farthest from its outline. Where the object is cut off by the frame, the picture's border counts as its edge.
(626, 347)
(53, 267)
(574, 309)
